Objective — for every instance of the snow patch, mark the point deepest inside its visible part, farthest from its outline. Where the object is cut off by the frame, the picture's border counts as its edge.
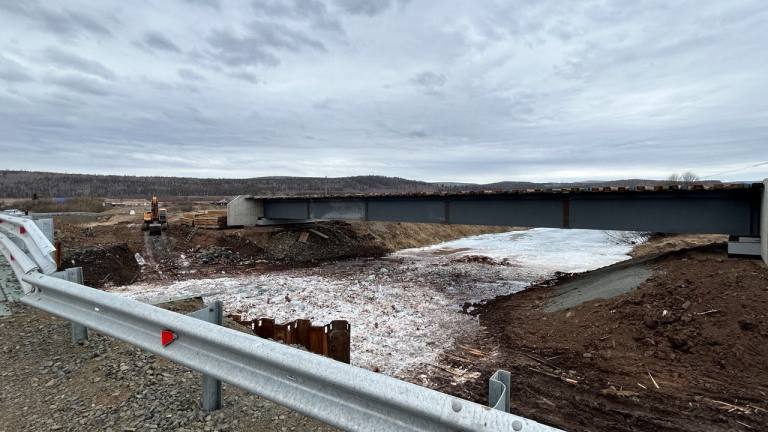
(406, 308)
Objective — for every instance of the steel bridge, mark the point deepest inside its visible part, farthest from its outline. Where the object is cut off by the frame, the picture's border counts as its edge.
(739, 210)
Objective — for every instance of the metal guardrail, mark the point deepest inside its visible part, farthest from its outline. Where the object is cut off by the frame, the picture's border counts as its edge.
(341, 395)
(37, 245)
(20, 263)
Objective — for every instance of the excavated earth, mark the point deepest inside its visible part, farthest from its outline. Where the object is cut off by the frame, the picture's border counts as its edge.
(107, 248)
(685, 351)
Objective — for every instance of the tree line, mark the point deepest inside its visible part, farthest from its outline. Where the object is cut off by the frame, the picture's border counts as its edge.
(28, 184)
(33, 184)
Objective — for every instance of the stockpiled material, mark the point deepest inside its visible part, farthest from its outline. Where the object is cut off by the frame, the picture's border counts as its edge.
(211, 219)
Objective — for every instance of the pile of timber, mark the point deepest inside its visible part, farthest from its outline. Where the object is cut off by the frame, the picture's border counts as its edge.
(209, 219)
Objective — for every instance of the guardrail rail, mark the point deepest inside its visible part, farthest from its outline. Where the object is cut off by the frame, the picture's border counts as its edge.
(339, 394)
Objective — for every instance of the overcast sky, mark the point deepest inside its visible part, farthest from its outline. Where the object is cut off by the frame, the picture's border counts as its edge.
(471, 90)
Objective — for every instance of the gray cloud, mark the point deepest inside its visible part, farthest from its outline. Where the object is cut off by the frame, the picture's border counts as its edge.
(245, 76)
(259, 45)
(313, 12)
(64, 22)
(12, 71)
(214, 4)
(529, 90)
(418, 133)
(79, 84)
(71, 61)
(323, 104)
(429, 83)
(429, 80)
(158, 41)
(190, 75)
(365, 7)
(239, 51)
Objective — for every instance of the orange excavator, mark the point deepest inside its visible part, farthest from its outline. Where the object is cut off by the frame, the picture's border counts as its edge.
(156, 219)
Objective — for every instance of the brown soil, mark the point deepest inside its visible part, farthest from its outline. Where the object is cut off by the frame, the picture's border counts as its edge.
(686, 351)
(663, 243)
(183, 251)
(398, 235)
(112, 264)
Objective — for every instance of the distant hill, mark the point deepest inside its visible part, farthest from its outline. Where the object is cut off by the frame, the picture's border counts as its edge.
(507, 185)
(24, 184)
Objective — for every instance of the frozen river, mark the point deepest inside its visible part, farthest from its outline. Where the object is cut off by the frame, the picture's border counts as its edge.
(406, 308)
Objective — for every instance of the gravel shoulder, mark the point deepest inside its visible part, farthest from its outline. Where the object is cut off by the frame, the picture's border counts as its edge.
(49, 383)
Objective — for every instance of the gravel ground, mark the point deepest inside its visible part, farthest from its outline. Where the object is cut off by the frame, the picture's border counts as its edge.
(49, 383)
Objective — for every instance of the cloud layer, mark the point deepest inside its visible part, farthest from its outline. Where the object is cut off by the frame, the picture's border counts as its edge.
(443, 91)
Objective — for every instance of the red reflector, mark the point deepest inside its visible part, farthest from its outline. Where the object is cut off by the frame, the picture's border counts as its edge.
(167, 337)
(22, 230)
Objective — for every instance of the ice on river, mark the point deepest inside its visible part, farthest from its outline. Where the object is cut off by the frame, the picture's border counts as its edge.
(406, 308)
(545, 250)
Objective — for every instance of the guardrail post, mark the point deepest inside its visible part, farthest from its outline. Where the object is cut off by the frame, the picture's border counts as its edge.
(498, 390)
(212, 313)
(75, 274)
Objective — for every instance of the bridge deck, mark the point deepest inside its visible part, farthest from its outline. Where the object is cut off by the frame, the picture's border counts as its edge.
(732, 209)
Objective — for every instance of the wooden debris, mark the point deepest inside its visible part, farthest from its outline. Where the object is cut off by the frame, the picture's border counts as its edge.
(612, 391)
(318, 233)
(544, 362)
(474, 351)
(707, 312)
(731, 407)
(562, 378)
(653, 380)
(304, 236)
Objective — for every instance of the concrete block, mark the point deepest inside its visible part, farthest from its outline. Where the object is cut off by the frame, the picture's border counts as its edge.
(744, 246)
(764, 223)
(46, 226)
(244, 210)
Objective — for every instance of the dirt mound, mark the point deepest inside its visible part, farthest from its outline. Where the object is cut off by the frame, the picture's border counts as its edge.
(482, 259)
(402, 235)
(113, 264)
(321, 242)
(685, 351)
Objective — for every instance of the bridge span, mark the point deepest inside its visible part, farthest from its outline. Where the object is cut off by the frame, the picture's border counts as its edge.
(739, 210)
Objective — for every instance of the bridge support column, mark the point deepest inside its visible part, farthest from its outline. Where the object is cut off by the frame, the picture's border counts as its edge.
(764, 224)
(244, 210)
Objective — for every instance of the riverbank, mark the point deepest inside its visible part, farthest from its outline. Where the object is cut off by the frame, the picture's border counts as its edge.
(684, 351)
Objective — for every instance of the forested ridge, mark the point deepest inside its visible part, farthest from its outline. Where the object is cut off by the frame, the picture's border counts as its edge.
(25, 184)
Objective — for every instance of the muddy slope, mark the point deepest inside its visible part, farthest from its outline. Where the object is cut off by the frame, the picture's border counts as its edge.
(183, 251)
(686, 351)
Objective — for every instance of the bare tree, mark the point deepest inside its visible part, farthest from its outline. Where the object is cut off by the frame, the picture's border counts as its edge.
(688, 178)
(674, 179)
(685, 179)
